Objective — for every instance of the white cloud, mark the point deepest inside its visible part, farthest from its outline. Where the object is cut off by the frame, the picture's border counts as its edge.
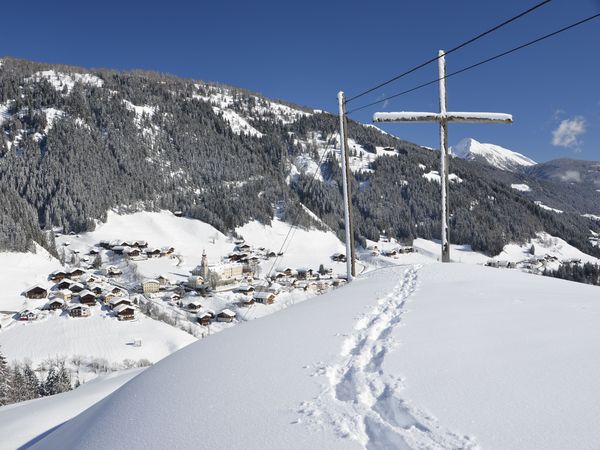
(568, 131)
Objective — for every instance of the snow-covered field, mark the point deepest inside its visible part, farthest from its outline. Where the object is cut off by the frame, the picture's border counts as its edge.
(100, 336)
(19, 272)
(433, 356)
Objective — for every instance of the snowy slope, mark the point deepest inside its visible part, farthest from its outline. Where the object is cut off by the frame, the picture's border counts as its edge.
(440, 356)
(491, 154)
(100, 336)
(191, 237)
(22, 422)
(19, 272)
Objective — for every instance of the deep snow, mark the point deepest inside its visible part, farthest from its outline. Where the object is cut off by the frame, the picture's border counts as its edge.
(439, 356)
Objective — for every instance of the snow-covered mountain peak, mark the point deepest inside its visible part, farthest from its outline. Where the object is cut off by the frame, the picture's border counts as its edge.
(494, 155)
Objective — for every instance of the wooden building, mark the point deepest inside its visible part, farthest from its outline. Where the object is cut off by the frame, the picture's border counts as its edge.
(54, 304)
(27, 316)
(124, 312)
(87, 298)
(266, 298)
(118, 301)
(205, 318)
(226, 315)
(36, 292)
(79, 311)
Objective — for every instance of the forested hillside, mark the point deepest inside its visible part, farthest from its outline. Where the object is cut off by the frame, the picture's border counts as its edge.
(76, 143)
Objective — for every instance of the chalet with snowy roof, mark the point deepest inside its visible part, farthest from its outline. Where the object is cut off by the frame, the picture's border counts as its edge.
(64, 294)
(243, 248)
(76, 287)
(245, 302)
(237, 256)
(304, 273)
(36, 292)
(77, 272)
(266, 298)
(132, 252)
(105, 244)
(118, 249)
(139, 243)
(205, 318)
(124, 312)
(226, 315)
(95, 288)
(93, 251)
(27, 316)
(164, 281)
(117, 301)
(87, 297)
(57, 275)
(192, 305)
(152, 252)
(64, 283)
(113, 271)
(172, 296)
(88, 278)
(118, 291)
(79, 310)
(150, 286)
(244, 289)
(166, 251)
(55, 304)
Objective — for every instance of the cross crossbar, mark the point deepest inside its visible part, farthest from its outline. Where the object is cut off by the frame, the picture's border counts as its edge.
(409, 116)
(443, 118)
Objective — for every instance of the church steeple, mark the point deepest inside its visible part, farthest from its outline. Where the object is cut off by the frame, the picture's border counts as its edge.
(204, 266)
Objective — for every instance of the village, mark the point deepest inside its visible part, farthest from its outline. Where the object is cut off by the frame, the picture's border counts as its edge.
(104, 279)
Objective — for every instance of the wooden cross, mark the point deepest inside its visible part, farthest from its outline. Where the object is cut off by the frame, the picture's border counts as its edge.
(443, 117)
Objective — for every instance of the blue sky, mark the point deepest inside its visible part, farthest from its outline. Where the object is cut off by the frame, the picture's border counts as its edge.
(306, 51)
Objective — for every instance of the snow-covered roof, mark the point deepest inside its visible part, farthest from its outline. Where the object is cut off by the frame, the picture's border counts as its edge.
(114, 300)
(122, 308)
(77, 305)
(227, 312)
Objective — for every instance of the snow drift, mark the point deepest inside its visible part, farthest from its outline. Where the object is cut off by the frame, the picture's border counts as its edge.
(485, 356)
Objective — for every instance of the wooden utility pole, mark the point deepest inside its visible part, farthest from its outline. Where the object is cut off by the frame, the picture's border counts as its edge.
(443, 118)
(349, 226)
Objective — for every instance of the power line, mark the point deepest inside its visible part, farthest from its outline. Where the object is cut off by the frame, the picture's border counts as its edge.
(500, 55)
(292, 230)
(458, 47)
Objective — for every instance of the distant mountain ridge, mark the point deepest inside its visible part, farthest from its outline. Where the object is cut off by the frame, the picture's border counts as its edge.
(76, 143)
(494, 155)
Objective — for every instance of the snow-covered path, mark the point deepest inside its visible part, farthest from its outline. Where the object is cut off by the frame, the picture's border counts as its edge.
(360, 401)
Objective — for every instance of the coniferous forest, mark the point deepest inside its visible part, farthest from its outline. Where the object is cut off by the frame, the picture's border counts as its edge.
(75, 147)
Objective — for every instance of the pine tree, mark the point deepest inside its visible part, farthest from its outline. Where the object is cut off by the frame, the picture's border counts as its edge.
(17, 382)
(5, 387)
(50, 384)
(63, 378)
(31, 382)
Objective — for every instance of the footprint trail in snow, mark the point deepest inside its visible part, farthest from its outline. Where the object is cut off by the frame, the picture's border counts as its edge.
(363, 403)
